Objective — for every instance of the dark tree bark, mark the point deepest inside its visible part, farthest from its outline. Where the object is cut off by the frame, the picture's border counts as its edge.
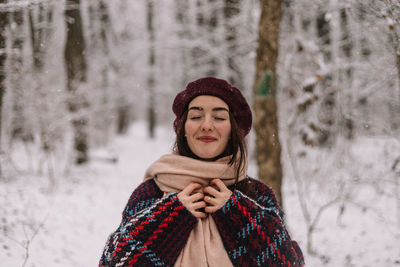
(75, 64)
(151, 114)
(19, 128)
(123, 119)
(3, 57)
(268, 146)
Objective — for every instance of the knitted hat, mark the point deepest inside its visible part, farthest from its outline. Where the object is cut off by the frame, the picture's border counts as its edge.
(219, 88)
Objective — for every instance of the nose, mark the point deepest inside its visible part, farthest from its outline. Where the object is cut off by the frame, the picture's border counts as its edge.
(207, 124)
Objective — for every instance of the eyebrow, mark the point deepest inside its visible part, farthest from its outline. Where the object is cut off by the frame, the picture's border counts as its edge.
(214, 109)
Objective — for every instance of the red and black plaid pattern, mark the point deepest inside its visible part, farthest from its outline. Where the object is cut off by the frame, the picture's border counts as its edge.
(153, 236)
(154, 229)
(253, 231)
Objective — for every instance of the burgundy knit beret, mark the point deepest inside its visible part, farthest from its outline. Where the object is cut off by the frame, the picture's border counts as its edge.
(219, 88)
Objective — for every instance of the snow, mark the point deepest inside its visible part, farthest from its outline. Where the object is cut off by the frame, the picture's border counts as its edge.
(85, 208)
(72, 222)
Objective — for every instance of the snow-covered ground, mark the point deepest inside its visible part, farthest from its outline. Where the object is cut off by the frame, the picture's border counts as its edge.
(73, 222)
(69, 226)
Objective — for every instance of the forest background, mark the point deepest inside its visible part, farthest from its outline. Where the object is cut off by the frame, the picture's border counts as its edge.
(78, 77)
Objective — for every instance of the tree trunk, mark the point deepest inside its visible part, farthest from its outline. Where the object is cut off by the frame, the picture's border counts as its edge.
(75, 64)
(398, 70)
(394, 106)
(182, 17)
(151, 114)
(396, 46)
(105, 29)
(197, 52)
(347, 51)
(210, 25)
(3, 57)
(268, 147)
(40, 30)
(232, 10)
(393, 13)
(99, 50)
(123, 118)
(19, 128)
(123, 109)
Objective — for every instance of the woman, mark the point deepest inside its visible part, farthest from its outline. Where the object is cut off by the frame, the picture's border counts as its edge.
(197, 206)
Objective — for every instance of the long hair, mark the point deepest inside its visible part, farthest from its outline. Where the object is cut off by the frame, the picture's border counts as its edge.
(236, 145)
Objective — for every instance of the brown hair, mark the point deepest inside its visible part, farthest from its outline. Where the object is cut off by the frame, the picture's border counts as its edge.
(236, 145)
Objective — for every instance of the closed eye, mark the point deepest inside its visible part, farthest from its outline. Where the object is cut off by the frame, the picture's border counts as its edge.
(220, 119)
(195, 117)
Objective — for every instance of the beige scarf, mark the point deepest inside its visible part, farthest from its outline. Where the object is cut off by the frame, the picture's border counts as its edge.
(172, 173)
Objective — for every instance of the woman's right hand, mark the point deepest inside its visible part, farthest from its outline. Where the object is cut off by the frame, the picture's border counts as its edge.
(193, 201)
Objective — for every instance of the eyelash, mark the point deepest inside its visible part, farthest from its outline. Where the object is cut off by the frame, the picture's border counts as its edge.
(198, 117)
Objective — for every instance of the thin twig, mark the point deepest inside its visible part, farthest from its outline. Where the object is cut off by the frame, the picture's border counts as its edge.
(29, 240)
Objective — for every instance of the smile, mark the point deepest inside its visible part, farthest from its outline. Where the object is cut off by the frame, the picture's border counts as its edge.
(207, 139)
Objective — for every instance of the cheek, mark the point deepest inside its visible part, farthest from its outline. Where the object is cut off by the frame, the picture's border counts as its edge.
(190, 128)
(225, 131)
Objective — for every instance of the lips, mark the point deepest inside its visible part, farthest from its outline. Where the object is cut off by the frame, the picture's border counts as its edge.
(207, 139)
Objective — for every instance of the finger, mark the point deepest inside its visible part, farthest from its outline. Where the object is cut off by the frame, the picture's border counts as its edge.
(199, 214)
(221, 186)
(199, 205)
(210, 200)
(195, 197)
(190, 188)
(210, 209)
(212, 191)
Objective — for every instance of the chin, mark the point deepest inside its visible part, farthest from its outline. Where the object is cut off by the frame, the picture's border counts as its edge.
(207, 156)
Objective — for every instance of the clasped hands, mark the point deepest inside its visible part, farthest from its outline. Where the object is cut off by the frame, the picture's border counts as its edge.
(200, 204)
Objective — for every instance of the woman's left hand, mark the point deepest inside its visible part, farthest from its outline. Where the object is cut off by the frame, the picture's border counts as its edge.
(216, 198)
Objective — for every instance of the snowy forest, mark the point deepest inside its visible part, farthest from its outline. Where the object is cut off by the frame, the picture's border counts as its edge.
(86, 90)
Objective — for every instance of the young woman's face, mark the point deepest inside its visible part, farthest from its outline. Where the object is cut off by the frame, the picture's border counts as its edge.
(207, 127)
